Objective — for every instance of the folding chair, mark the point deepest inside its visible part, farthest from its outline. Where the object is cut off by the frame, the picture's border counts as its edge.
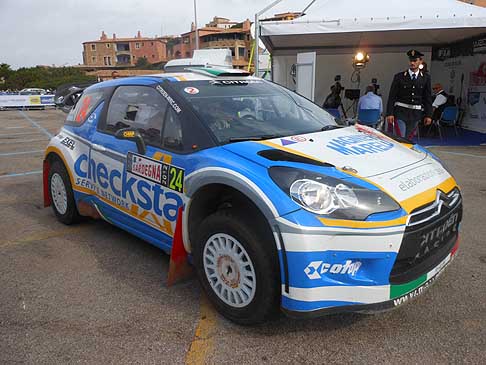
(369, 117)
(334, 112)
(449, 117)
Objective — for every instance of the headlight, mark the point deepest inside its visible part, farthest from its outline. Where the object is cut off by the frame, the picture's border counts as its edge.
(321, 198)
(329, 196)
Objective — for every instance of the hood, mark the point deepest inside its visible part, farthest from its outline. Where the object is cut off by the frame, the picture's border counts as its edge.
(360, 150)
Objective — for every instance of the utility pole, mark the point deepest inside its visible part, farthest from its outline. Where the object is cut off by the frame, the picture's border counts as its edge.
(195, 25)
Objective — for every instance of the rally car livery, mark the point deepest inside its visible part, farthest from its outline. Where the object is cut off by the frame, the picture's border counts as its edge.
(277, 205)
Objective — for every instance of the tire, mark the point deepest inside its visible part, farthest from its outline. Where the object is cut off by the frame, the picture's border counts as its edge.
(237, 267)
(61, 194)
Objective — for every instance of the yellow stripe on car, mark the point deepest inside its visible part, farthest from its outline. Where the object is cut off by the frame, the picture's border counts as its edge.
(363, 224)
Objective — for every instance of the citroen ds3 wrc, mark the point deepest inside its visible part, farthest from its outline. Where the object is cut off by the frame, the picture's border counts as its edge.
(277, 205)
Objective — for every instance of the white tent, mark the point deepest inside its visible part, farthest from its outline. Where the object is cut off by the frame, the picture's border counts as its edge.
(334, 30)
(351, 23)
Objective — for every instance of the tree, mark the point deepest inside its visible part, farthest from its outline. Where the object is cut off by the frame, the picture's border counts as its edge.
(42, 77)
(142, 63)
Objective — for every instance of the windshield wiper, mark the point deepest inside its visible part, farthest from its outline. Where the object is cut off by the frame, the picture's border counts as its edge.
(330, 127)
(254, 138)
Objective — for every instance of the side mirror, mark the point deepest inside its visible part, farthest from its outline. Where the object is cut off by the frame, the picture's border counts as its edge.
(131, 134)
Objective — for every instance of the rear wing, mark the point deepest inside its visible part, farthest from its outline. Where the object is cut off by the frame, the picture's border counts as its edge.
(67, 95)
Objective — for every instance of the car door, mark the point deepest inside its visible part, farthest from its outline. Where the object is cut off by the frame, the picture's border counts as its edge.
(140, 192)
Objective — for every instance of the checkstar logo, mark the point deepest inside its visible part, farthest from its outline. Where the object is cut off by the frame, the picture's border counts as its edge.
(316, 268)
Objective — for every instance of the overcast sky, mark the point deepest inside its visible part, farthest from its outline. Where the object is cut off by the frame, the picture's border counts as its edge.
(46, 32)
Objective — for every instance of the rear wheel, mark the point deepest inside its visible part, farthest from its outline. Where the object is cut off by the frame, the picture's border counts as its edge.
(238, 268)
(61, 194)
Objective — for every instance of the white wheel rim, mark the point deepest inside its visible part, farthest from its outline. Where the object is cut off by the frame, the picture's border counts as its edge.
(58, 193)
(229, 270)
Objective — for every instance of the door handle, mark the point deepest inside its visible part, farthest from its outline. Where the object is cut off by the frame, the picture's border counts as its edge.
(98, 147)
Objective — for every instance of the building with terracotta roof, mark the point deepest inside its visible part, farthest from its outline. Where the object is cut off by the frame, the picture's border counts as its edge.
(476, 2)
(123, 52)
(219, 33)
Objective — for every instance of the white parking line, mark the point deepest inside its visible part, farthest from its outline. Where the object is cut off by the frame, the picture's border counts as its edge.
(22, 174)
(461, 154)
(24, 141)
(18, 134)
(49, 134)
(20, 153)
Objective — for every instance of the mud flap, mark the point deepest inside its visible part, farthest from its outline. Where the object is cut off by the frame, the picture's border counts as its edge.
(179, 268)
(45, 183)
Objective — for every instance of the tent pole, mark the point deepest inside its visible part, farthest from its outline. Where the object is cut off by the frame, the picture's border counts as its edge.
(257, 34)
(257, 46)
(307, 7)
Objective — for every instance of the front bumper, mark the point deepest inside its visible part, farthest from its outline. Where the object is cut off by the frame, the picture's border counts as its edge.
(398, 295)
(337, 269)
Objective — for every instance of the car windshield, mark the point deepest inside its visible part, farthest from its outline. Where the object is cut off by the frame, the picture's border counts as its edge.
(238, 110)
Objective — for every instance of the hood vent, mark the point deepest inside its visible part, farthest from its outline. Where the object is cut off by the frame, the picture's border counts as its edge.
(278, 155)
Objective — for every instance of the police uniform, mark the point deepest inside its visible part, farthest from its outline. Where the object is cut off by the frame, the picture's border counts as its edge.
(410, 98)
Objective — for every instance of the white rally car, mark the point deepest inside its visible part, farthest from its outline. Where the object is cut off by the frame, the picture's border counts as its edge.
(277, 205)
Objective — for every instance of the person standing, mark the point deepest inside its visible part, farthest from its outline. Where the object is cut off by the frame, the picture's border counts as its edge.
(410, 97)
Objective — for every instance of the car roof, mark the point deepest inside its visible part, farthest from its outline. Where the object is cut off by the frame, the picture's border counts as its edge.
(191, 74)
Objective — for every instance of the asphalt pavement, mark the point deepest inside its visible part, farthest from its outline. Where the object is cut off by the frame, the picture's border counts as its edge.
(92, 293)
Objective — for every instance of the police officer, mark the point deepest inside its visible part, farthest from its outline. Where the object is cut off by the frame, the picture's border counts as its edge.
(410, 97)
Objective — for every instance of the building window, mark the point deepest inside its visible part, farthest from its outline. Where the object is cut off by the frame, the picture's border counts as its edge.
(137, 45)
(142, 44)
(151, 43)
(233, 52)
(93, 47)
(185, 40)
(108, 45)
(93, 59)
(241, 52)
(107, 60)
(153, 56)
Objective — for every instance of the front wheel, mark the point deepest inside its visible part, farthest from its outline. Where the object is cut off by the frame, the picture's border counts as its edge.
(61, 194)
(238, 268)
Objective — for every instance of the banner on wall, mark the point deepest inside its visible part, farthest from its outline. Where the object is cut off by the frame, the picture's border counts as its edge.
(464, 48)
(21, 101)
(476, 99)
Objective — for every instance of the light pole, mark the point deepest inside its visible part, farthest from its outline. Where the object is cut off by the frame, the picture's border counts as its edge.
(195, 25)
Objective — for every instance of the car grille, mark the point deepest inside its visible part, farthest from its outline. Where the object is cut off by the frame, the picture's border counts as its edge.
(430, 235)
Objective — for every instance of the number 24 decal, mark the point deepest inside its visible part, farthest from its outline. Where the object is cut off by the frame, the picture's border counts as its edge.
(176, 179)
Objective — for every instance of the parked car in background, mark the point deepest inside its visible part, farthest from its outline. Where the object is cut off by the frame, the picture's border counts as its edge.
(32, 91)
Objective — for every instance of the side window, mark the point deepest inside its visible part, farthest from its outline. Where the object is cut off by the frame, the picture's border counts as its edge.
(172, 131)
(84, 107)
(139, 107)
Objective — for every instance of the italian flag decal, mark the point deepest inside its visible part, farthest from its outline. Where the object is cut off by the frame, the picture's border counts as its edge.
(402, 293)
